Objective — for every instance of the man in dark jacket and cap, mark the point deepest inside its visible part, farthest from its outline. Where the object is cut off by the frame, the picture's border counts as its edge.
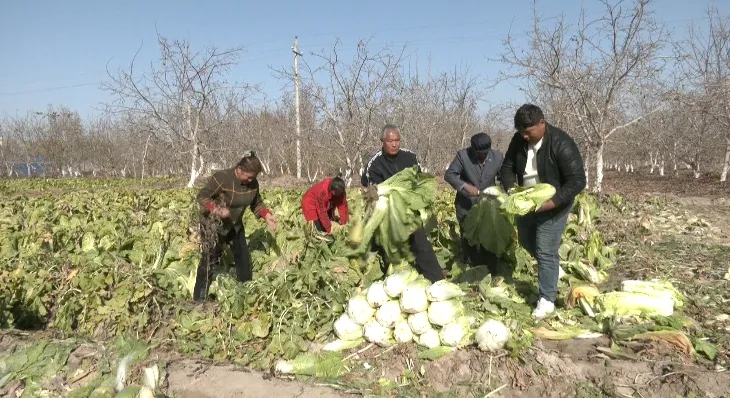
(474, 169)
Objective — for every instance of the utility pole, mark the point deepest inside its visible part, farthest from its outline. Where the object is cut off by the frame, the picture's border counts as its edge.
(297, 54)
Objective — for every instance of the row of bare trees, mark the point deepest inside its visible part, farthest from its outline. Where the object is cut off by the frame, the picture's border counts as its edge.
(631, 96)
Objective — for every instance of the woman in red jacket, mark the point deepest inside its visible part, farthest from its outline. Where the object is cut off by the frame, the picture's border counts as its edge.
(320, 201)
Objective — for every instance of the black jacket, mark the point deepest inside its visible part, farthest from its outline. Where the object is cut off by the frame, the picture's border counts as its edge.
(559, 163)
(381, 166)
(465, 169)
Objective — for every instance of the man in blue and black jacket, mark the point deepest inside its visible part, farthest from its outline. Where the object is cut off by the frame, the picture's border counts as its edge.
(387, 162)
(542, 153)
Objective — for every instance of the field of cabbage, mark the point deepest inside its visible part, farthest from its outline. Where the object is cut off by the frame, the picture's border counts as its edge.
(93, 271)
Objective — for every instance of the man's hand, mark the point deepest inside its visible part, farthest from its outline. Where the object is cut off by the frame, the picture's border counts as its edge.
(547, 206)
(271, 220)
(223, 212)
(471, 190)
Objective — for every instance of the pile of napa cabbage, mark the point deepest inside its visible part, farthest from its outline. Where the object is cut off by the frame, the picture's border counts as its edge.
(406, 307)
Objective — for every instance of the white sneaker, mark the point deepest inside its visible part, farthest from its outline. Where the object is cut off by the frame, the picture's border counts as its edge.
(543, 308)
(561, 272)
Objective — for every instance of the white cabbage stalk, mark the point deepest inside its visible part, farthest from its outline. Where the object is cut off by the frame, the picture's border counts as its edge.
(413, 298)
(394, 284)
(346, 329)
(359, 310)
(654, 287)
(341, 345)
(443, 290)
(458, 332)
(442, 313)
(376, 295)
(492, 335)
(419, 322)
(388, 314)
(378, 334)
(430, 339)
(403, 332)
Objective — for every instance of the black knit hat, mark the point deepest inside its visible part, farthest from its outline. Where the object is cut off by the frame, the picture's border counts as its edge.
(481, 143)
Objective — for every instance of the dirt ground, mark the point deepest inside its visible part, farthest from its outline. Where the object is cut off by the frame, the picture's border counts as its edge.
(188, 378)
(576, 368)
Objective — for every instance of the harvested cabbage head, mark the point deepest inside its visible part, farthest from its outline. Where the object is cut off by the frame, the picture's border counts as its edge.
(346, 329)
(341, 345)
(622, 304)
(395, 283)
(419, 323)
(378, 334)
(443, 290)
(376, 295)
(522, 200)
(389, 313)
(442, 313)
(492, 335)
(430, 339)
(457, 333)
(402, 332)
(662, 289)
(413, 299)
(359, 310)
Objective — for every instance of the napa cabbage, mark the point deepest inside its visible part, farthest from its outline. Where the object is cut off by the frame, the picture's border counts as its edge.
(413, 299)
(442, 312)
(523, 200)
(443, 290)
(401, 208)
(346, 329)
(419, 323)
(389, 313)
(359, 310)
(492, 335)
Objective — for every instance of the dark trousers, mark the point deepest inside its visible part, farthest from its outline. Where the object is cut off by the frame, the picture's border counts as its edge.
(476, 255)
(427, 264)
(541, 236)
(211, 258)
(318, 224)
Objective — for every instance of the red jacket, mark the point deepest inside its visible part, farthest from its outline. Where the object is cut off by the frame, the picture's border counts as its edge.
(318, 204)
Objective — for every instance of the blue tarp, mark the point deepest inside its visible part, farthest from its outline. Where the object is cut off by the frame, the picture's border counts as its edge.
(37, 167)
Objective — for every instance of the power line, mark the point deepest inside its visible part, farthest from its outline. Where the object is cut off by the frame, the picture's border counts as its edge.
(49, 89)
(53, 79)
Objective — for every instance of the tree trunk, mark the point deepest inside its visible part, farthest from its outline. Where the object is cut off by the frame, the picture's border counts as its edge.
(726, 163)
(194, 170)
(598, 183)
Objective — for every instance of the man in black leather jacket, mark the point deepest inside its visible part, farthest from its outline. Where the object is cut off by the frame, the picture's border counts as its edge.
(474, 169)
(542, 153)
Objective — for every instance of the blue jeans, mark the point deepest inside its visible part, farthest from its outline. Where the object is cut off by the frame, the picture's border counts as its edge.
(540, 234)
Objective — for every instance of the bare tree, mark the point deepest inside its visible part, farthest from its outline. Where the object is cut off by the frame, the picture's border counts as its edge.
(705, 63)
(592, 73)
(348, 96)
(181, 98)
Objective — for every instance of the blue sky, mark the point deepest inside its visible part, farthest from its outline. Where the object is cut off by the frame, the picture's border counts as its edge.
(56, 52)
